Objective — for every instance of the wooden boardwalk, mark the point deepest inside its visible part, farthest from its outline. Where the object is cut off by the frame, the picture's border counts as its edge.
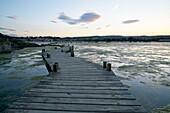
(78, 87)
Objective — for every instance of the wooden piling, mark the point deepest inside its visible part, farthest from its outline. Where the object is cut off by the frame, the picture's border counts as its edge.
(48, 67)
(104, 64)
(72, 47)
(43, 50)
(48, 55)
(72, 53)
(54, 68)
(109, 67)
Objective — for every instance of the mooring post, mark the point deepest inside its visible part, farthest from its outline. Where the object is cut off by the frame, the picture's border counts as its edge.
(55, 67)
(43, 50)
(109, 67)
(61, 50)
(48, 66)
(72, 53)
(55, 47)
(104, 64)
(48, 55)
(72, 47)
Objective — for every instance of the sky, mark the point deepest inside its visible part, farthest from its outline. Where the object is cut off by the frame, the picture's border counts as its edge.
(84, 17)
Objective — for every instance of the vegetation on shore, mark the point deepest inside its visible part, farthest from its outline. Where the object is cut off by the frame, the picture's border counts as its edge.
(8, 44)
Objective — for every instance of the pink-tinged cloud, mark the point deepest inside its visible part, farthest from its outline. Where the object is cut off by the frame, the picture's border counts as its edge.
(12, 17)
(7, 29)
(53, 21)
(130, 21)
(89, 17)
(84, 18)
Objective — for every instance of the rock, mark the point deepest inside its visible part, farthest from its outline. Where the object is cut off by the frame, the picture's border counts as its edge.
(6, 47)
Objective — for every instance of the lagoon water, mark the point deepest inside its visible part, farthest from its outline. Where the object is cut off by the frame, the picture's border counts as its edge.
(143, 67)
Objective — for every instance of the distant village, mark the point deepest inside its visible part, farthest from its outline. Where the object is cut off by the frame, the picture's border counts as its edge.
(98, 38)
(161, 38)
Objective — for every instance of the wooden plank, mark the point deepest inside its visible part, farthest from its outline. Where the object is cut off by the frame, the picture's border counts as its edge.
(117, 92)
(83, 79)
(82, 84)
(78, 101)
(78, 82)
(42, 111)
(77, 107)
(81, 88)
(79, 95)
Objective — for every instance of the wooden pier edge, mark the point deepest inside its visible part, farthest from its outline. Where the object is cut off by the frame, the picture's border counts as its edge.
(75, 85)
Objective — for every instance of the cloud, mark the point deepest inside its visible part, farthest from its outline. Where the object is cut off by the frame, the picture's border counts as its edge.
(12, 17)
(5, 32)
(107, 25)
(98, 28)
(26, 31)
(89, 17)
(130, 21)
(7, 29)
(84, 18)
(53, 21)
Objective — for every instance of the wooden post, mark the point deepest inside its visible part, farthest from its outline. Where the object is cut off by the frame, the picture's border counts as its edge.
(55, 67)
(55, 47)
(109, 67)
(43, 50)
(48, 55)
(72, 47)
(48, 67)
(104, 64)
(72, 53)
(61, 50)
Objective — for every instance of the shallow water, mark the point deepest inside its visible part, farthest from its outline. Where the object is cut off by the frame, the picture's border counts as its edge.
(18, 71)
(143, 67)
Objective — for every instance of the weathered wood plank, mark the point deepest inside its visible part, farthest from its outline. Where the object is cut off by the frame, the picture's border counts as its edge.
(79, 82)
(117, 92)
(77, 107)
(81, 88)
(83, 84)
(79, 95)
(78, 101)
(42, 111)
(83, 79)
